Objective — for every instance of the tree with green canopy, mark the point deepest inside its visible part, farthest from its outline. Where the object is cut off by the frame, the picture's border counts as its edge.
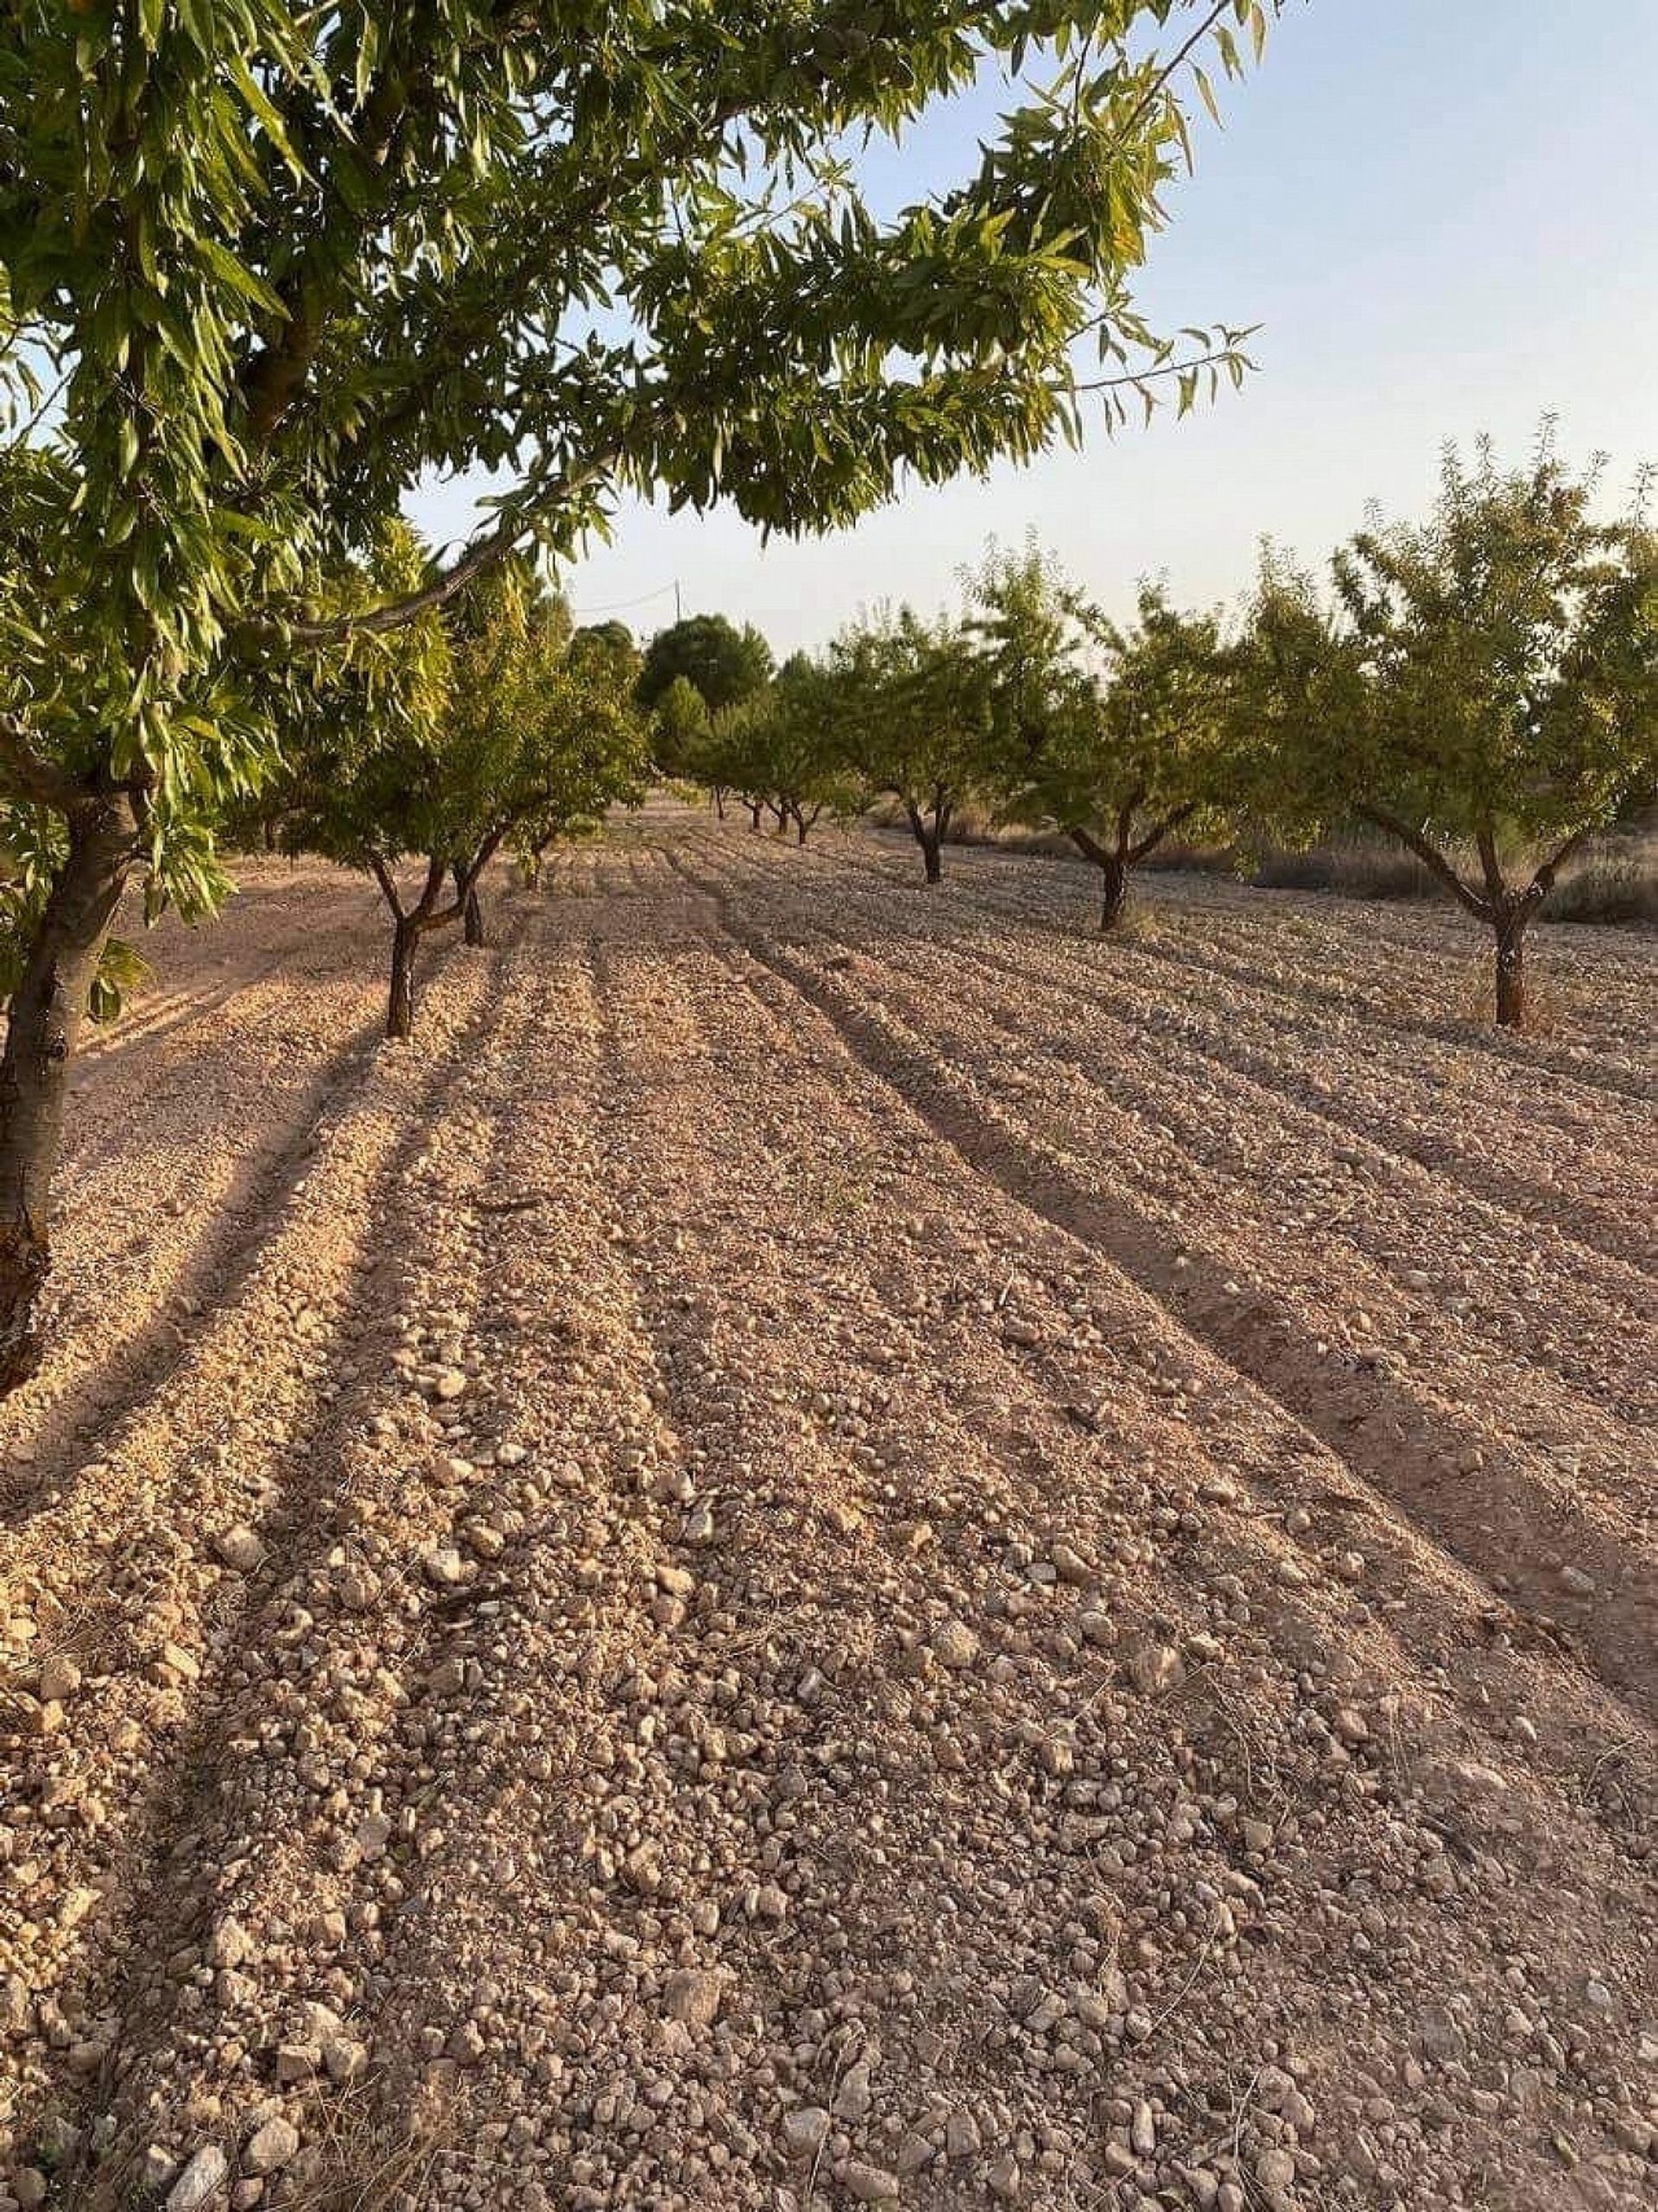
(613, 643)
(910, 702)
(506, 734)
(265, 270)
(726, 664)
(1484, 683)
(780, 750)
(1117, 736)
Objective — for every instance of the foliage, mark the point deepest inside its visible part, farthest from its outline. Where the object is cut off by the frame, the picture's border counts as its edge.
(613, 644)
(725, 664)
(679, 729)
(1486, 679)
(1117, 736)
(498, 726)
(910, 703)
(780, 748)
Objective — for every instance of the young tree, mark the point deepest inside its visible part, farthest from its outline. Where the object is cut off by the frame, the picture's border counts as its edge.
(506, 734)
(779, 749)
(278, 266)
(1487, 679)
(680, 727)
(911, 702)
(1117, 737)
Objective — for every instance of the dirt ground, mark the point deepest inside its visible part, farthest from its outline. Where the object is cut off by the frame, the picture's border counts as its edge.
(838, 1546)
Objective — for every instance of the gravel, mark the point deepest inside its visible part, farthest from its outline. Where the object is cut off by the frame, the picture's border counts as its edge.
(835, 1547)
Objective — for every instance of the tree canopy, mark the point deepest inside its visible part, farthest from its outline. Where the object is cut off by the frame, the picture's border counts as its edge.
(726, 664)
(500, 728)
(1117, 735)
(1483, 686)
(263, 270)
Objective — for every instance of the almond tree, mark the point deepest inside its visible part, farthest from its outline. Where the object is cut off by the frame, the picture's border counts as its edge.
(505, 735)
(1115, 736)
(264, 269)
(780, 749)
(909, 701)
(1484, 683)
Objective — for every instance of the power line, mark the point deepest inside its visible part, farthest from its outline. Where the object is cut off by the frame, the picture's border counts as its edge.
(620, 606)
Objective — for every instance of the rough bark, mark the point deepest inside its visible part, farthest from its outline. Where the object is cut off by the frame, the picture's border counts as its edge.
(1510, 930)
(399, 1005)
(471, 912)
(48, 1009)
(929, 835)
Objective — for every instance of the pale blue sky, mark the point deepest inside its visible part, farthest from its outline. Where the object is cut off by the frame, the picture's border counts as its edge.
(1444, 212)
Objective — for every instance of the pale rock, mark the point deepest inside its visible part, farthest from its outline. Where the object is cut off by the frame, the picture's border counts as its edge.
(694, 1994)
(201, 2180)
(870, 2184)
(954, 1644)
(59, 1679)
(271, 2146)
(804, 2130)
(1156, 1668)
(240, 1547)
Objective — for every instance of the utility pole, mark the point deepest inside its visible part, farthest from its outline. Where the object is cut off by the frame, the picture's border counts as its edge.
(678, 617)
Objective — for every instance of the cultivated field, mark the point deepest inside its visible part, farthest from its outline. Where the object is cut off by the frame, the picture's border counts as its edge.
(838, 1546)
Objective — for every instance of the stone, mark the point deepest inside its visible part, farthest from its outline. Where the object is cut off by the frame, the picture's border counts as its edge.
(1276, 2171)
(240, 1547)
(1004, 2181)
(344, 2059)
(298, 2061)
(271, 2146)
(230, 1943)
(1156, 1668)
(694, 1994)
(954, 1644)
(804, 2130)
(59, 1679)
(201, 2180)
(855, 2096)
(1071, 1566)
(870, 2184)
(1576, 1583)
(449, 1385)
(961, 2136)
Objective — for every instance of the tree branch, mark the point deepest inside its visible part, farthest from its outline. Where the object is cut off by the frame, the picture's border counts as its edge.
(388, 883)
(1543, 882)
(503, 540)
(25, 775)
(1428, 854)
(1155, 837)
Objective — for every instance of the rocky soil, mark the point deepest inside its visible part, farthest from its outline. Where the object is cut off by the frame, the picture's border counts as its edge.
(838, 1547)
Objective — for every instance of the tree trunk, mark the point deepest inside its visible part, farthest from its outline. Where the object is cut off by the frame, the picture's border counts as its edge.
(268, 831)
(931, 859)
(1114, 891)
(799, 828)
(719, 803)
(400, 1010)
(756, 810)
(1511, 970)
(48, 1009)
(471, 912)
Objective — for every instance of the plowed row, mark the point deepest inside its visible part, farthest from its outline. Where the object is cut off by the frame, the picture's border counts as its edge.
(839, 1546)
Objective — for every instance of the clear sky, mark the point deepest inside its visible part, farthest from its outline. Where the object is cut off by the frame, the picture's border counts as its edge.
(1444, 215)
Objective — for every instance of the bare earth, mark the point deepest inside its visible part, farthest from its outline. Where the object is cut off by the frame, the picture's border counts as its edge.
(838, 1547)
